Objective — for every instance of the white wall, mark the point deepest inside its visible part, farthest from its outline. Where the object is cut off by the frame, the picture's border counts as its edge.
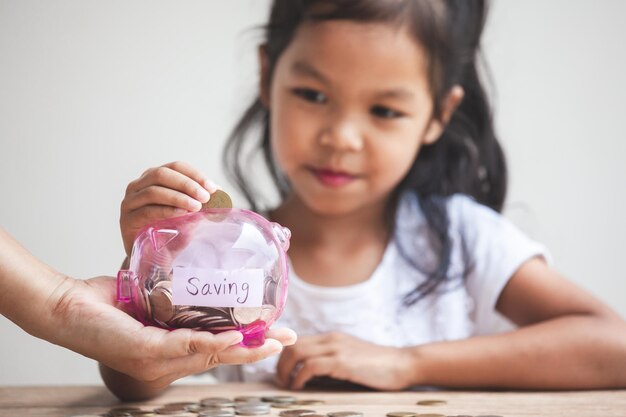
(94, 92)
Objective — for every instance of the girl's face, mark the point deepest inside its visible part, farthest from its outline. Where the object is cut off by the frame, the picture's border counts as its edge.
(350, 107)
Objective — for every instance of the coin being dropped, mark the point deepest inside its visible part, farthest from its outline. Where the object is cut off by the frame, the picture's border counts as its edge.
(432, 402)
(219, 199)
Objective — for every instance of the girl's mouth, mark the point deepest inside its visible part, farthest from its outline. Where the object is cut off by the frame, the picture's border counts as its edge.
(332, 178)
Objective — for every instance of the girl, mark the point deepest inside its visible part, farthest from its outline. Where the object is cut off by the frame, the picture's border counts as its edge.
(378, 134)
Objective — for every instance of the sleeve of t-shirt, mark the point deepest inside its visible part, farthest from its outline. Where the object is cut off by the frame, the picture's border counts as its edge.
(496, 249)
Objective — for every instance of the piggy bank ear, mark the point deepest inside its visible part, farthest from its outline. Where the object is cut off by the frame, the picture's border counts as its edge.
(160, 238)
(282, 234)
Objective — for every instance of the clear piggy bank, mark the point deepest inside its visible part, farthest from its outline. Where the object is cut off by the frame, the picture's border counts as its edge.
(215, 270)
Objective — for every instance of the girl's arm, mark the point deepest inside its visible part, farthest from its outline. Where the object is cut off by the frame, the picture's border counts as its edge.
(567, 340)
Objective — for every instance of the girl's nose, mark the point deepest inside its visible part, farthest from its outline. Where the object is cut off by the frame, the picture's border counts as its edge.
(343, 135)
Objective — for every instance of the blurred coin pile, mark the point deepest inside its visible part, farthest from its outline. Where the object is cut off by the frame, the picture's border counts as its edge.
(247, 405)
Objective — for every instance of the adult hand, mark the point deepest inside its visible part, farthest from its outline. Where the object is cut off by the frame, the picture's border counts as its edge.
(89, 323)
(343, 357)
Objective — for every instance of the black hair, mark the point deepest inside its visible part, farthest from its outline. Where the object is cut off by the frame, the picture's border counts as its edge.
(466, 159)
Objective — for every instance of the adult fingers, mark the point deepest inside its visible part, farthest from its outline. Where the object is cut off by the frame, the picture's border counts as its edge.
(284, 335)
(241, 355)
(185, 342)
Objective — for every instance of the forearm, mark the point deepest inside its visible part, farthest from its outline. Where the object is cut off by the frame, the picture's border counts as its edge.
(28, 287)
(574, 352)
(127, 388)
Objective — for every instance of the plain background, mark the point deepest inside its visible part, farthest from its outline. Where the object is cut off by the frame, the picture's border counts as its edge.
(94, 92)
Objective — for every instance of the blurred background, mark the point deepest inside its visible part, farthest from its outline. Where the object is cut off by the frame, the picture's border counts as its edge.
(94, 92)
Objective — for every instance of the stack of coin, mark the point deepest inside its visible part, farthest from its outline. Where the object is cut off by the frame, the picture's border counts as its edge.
(247, 405)
(160, 309)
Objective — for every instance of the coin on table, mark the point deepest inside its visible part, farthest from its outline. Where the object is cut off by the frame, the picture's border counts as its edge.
(252, 410)
(247, 398)
(168, 411)
(296, 413)
(432, 402)
(431, 415)
(86, 415)
(216, 413)
(345, 414)
(219, 199)
(401, 414)
(310, 402)
(217, 401)
(281, 399)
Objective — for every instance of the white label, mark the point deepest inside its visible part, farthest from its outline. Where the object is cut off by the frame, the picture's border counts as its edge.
(217, 287)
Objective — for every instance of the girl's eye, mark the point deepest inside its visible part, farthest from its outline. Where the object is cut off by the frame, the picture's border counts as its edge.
(385, 112)
(310, 95)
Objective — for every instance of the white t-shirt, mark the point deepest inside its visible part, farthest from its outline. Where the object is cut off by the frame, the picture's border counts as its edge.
(487, 249)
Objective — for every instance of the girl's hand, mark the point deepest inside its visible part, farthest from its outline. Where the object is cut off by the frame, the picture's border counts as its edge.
(343, 357)
(162, 192)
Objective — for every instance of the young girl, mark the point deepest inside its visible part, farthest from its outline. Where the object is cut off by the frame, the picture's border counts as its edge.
(378, 134)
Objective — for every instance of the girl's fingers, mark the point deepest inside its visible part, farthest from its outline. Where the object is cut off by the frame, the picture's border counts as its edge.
(318, 366)
(305, 349)
(193, 173)
(157, 195)
(170, 178)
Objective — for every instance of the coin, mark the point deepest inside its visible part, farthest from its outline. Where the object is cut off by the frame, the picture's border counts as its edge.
(281, 399)
(296, 413)
(219, 199)
(247, 398)
(247, 315)
(167, 411)
(216, 413)
(431, 415)
(256, 409)
(401, 414)
(161, 300)
(217, 401)
(432, 402)
(309, 402)
(345, 414)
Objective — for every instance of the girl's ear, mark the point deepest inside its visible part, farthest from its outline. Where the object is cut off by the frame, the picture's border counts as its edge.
(264, 76)
(450, 104)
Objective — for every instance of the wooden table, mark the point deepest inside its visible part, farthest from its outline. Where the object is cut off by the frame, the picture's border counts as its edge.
(69, 401)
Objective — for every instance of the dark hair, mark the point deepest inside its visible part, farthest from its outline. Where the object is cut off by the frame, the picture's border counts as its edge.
(466, 159)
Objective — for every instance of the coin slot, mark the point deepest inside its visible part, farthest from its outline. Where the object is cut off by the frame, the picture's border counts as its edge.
(162, 237)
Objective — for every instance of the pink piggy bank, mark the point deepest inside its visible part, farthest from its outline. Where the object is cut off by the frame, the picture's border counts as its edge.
(214, 270)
